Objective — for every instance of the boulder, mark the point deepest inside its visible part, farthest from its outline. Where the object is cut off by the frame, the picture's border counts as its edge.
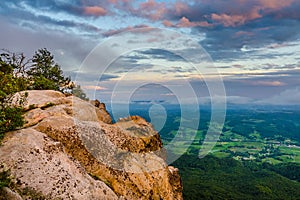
(69, 148)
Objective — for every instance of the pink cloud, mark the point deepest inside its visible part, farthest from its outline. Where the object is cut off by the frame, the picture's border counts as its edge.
(243, 33)
(269, 83)
(94, 11)
(185, 22)
(235, 13)
(150, 4)
(112, 1)
(151, 9)
(229, 20)
(180, 8)
(167, 23)
(275, 4)
(247, 10)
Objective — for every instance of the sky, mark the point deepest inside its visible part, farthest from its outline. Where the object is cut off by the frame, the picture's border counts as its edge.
(249, 48)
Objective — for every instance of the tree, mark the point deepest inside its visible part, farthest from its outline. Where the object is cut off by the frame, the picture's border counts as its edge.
(18, 74)
(17, 62)
(45, 73)
(78, 92)
(10, 116)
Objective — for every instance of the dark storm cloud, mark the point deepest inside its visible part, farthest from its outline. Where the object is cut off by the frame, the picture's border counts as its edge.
(129, 64)
(227, 42)
(84, 76)
(161, 54)
(135, 29)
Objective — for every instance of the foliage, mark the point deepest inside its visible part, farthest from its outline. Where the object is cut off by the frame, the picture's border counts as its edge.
(18, 74)
(45, 73)
(257, 155)
(30, 193)
(10, 116)
(268, 124)
(10, 119)
(289, 170)
(15, 63)
(225, 178)
(4, 179)
(78, 92)
(42, 83)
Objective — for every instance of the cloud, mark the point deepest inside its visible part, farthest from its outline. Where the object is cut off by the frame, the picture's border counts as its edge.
(235, 42)
(287, 97)
(228, 25)
(185, 22)
(142, 28)
(227, 13)
(260, 85)
(83, 76)
(231, 25)
(94, 11)
(229, 20)
(151, 9)
(274, 4)
(269, 83)
(39, 18)
(93, 87)
(238, 100)
(19, 39)
(235, 33)
(168, 94)
(74, 7)
(168, 23)
(161, 54)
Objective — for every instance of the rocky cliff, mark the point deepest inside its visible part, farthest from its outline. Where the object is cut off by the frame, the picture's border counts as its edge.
(69, 149)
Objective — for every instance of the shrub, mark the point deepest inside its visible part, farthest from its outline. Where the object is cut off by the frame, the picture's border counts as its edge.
(45, 73)
(18, 74)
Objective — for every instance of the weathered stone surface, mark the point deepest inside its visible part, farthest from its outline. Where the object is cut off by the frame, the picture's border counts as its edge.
(66, 138)
(40, 164)
(101, 112)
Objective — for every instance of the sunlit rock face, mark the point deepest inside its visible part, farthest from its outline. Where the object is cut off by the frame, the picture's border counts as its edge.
(70, 149)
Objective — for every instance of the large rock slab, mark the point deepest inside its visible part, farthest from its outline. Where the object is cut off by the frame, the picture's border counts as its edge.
(66, 140)
(40, 165)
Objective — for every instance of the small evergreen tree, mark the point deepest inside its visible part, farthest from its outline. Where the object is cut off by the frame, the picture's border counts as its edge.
(45, 73)
(78, 92)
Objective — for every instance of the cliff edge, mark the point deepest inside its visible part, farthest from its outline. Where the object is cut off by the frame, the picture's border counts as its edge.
(69, 149)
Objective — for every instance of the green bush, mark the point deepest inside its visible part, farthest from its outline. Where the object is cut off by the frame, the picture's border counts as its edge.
(78, 92)
(42, 83)
(18, 74)
(10, 116)
(10, 119)
(4, 179)
(45, 73)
